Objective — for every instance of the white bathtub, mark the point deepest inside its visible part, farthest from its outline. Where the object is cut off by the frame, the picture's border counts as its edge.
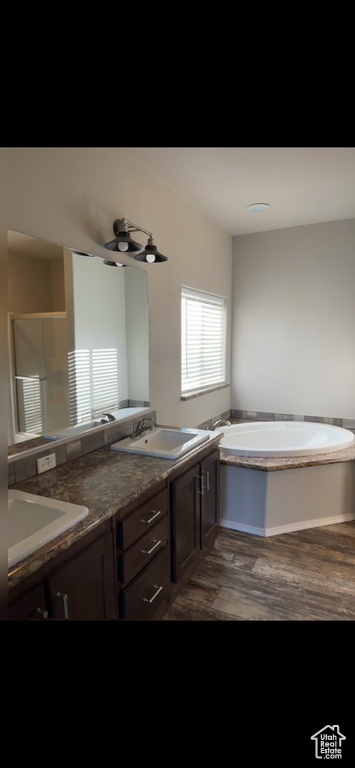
(267, 503)
(283, 438)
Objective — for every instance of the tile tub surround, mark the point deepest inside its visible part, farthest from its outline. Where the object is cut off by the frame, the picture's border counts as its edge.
(106, 482)
(243, 415)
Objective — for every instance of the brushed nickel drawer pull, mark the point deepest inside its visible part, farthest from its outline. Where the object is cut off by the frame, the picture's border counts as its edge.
(154, 513)
(159, 589)
(201, 492)
(42, 613)
(65, 603)
(149, 551)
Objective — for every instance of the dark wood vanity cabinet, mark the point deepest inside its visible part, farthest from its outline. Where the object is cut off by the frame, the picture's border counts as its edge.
(32, 605)
(209, 500)
(143, 558)
(133, 566)
(83, 588)
(194, 515)
(78, 587)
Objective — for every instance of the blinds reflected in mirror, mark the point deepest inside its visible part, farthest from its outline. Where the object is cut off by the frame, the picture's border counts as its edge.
(94, 383)
(29, 404)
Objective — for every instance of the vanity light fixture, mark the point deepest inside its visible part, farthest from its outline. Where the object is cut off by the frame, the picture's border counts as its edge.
(106, 261)
(257, 207)
(124, 243)
(113, 263)
(150, 253)
(83, 253)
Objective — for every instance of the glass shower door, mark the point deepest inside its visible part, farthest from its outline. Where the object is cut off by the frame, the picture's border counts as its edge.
(40, 374)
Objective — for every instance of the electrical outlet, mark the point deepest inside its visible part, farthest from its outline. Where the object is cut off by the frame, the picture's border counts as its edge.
(46, 462)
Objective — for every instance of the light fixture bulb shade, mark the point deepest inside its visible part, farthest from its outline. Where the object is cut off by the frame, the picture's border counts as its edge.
(123, 242)
(151, 255)
(113, 263)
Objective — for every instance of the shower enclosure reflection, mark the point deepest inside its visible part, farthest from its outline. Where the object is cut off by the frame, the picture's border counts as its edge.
(78, 339)
(40, 378)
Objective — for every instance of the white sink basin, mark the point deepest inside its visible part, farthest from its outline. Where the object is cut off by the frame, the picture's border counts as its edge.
(36, 520)
(164, 443)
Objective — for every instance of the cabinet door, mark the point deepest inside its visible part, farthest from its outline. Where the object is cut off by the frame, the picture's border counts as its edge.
(31, 605)
(209, 500)
(185, 520)
(84, 588)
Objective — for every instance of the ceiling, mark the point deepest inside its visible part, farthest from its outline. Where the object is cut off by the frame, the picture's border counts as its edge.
(302, 185)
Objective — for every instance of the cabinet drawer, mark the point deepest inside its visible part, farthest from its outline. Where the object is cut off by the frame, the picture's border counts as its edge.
(134, 559)
(147, 596)
(32, 605)
(142, 519)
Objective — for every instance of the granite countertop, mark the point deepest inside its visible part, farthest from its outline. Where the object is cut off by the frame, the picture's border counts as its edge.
(35, 442)
(272, 464)
(105, 481)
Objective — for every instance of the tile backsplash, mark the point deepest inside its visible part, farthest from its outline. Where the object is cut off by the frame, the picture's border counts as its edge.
(24, 465)
(269, 416)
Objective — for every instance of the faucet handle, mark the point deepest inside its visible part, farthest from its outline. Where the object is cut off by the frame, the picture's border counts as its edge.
(106, 417)
(142, 425)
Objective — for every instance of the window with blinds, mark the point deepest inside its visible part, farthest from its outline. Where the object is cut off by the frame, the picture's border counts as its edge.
(203, 340)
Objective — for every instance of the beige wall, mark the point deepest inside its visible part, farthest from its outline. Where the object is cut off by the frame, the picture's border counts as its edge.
(72, 196)
(35, 285)
(294, 321)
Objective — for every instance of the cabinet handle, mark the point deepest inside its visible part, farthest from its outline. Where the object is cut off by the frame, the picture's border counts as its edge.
(158, 589)
(207, 479)
(149, 551)
(201, 492)
(154, 515)
(65, 604)
(42, 613)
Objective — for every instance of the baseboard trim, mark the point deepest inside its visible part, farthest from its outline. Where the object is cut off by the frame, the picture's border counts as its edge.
(277, 530)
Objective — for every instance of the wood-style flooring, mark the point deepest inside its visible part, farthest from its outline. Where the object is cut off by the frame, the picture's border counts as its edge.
(306, 575)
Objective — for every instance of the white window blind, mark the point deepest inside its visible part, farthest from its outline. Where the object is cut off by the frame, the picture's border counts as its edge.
(94, 383)
(203, 334)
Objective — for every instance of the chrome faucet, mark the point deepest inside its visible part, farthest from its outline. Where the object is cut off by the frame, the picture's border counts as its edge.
(106, 417)
(142, 425)
(221, 423)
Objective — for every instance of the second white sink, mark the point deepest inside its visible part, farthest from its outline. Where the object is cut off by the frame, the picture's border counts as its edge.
(36, 520)
(163, 442)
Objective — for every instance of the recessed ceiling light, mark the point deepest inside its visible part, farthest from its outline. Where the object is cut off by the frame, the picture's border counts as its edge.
(256, 207)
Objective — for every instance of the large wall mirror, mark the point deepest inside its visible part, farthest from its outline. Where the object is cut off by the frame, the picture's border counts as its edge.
(78, 340)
